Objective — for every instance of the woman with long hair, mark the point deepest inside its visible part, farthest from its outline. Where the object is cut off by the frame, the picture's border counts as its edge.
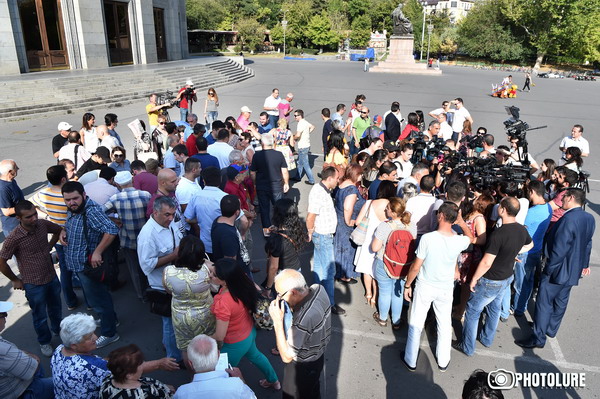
(391, 290)
(287, 238)
(233, 308)
(348, 203)
(412, 126)
(374, 210)
(477, 218)
(188, 280)
(89, 138)
(211, 105)
(574, 159)
(371, 166)
(547, 169)
(336, 155)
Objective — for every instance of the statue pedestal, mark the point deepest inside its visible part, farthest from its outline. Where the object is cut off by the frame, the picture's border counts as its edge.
(401, 60)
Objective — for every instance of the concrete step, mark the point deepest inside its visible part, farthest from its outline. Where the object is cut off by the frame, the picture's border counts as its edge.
(67, 94)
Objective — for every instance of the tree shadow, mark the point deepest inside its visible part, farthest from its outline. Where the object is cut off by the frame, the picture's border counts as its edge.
(32, 188)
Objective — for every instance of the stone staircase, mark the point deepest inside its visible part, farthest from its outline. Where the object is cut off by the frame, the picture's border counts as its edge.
(63, 94)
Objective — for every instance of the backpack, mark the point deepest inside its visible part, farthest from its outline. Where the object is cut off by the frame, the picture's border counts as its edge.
(399, 253)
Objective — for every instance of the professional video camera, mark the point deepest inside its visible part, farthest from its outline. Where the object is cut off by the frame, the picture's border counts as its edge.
(189, 91)
(516, 129)
(419, 145)
(165, 98)
(473, 141)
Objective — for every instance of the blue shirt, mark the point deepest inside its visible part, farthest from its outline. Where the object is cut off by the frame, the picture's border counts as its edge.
(265, 129)
(214, 384)
(79, 247)
(187, 132)
(210, 139)
(537, 222)
(10, 194)
(125, 168)
(205, 207)
(374, 188)
(170, 162)
(114, 133)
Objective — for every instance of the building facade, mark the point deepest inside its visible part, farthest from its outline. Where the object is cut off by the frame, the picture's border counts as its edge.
(456, 9)
(40, 35)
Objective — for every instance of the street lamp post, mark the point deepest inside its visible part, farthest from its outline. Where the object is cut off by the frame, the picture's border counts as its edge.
(284, 24)
(429, 30)
(423, 33)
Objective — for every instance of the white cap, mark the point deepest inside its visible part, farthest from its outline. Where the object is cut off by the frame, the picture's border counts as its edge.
(123, 178)
(189, 82)
(5, 306)
(245, 109)
(64, 126)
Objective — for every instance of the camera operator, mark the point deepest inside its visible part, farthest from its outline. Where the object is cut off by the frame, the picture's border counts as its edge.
(433, 130)
(186, 96)
(517, 156)
(488, 143)
(153, 111)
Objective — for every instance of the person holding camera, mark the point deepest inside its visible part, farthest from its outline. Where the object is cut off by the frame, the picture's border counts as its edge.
(153, 110)
(186, 97)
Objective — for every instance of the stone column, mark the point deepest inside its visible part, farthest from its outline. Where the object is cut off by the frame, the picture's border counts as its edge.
(89, 16)
(8, 46)
(146, 36)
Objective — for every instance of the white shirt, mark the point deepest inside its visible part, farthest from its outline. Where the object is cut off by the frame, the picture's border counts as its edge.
(569, 141)
(445, 130)
(271, 102)
(520, 218)
(186, 190)
(439, 253)
(221, 151)
(214, 384)
(421, 211)
(404, 169)
(68, 152)
(156, 241)
(91, 141)
(460, 115)
(304, 130)
(320, 203)
(100, 191)
(109, 142)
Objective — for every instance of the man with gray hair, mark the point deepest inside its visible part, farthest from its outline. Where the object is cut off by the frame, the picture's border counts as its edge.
(417, 173)
(269, 172)
(10, 194)
(203, 356)
(302, 322)
(170, 161)
(157, 247)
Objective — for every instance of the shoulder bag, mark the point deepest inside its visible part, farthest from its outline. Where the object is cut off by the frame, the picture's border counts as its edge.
(160, 300)
(359, 234)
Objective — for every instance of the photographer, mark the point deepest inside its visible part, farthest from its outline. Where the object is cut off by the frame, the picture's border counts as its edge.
(153, 111)
(186, 96)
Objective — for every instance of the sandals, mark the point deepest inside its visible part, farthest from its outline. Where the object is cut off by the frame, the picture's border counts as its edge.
(378, 320)
(272, 385)
(274, 352)
(370, 300)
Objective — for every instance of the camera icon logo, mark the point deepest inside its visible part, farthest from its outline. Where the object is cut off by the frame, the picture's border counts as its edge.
(501, 379)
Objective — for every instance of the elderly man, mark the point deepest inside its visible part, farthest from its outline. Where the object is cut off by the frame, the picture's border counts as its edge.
(128, 210)
(192, 120)
(87, 234)
(157, 247)
(29, 244)
(285, 108)
(10, 194)
(105, 139)
(74, 151)
(21, 374)
(169, 161)
(203, 356)
(303, 338)
(60, 139)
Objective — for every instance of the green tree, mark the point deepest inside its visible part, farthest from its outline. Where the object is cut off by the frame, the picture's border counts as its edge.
(320, 33)
(251, 33)
(381, 14)
(449, 40)
(277, 34)
(361, 31)
(358, 8)
(485, 32)
(204, 14)
(414, 12)
(298, 15)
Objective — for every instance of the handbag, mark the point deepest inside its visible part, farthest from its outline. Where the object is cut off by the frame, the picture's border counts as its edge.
(160, 302)
(262, 318)
(359, 234)
(101, 273)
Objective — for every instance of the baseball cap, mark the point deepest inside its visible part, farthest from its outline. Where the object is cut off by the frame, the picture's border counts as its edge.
(103, 153)
(390, 145)
(189, 82)
(234, 170)
(5, 306)
(64, 126)
(245, 109)
(122, 178)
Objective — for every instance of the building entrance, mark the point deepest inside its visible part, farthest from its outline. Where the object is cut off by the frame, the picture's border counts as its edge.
(116, 18)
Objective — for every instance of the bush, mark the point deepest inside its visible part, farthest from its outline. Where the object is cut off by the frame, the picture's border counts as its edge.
(237, 48)
(311, 51)
(293, 50)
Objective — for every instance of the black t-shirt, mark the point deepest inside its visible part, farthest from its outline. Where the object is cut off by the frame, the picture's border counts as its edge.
(327, 129)
(505, 242)
(88, 166)
(226, 243)
(58, 142)
(268, 164)
(280, 247)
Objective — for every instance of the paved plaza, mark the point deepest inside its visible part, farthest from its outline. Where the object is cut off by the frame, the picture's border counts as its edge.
(363, 359)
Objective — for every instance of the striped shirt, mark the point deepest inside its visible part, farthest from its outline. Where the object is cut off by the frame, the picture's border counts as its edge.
(311, 326)
(51, 202)
(17, 370)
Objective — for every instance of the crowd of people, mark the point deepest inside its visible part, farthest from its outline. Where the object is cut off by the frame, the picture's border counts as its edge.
(415, 226)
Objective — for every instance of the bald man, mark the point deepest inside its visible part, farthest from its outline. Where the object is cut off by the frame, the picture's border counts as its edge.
(10, 194)
(167, 184)
(106, 140)
(305, 314)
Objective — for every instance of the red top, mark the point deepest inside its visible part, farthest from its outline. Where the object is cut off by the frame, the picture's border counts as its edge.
(225, 308)
(239, 191)
(190, 144)
(407, 130)
(184, 101)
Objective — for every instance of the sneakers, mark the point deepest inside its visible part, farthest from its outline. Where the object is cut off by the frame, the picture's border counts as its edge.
(47, 350)
(99, 323)
(104, 341)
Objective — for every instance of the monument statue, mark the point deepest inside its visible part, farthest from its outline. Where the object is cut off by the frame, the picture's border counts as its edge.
(402, 25)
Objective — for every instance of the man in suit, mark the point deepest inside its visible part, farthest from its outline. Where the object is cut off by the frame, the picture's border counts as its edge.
(568, 249)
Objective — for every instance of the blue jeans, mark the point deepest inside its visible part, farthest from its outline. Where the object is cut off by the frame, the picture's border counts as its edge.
(488, 294)
(183, 112)
(304, 164)
(524, 274)
(168, 339)
(353, 148)
(40, 388)
(44, 301)
(99, 297)
(211, 116)
(265, 199)
(66, 278)
(391, 293)
(324, 263)
(273, 119)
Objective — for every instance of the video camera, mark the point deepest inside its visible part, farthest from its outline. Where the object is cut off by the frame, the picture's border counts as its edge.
(166, 98)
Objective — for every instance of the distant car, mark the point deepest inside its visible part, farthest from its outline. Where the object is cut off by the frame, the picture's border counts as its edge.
(550, 75)
(585, 76)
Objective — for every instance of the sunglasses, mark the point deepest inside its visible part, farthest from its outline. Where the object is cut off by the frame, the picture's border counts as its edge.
(363, 112)
(117, 155)
(280, 296)
(162, 123)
